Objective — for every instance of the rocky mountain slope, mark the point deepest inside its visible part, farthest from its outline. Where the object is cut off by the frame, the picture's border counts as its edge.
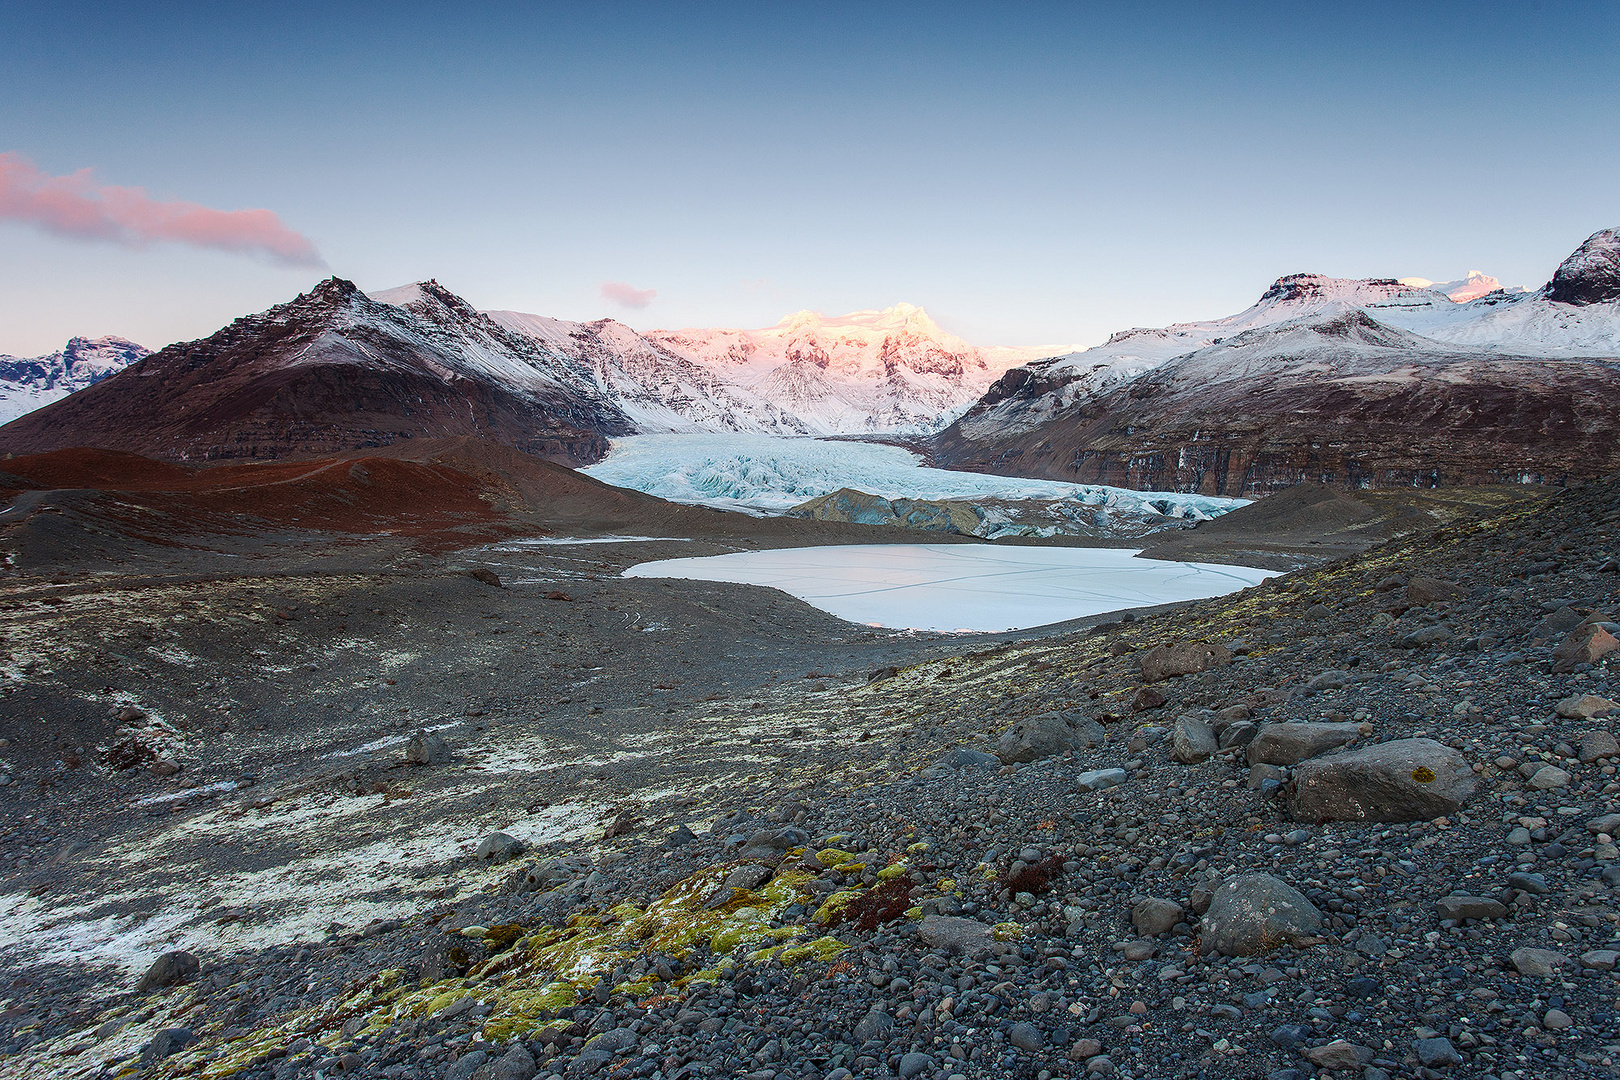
(1354, 382)
(27, 383)
(892, 371)
(332, 371)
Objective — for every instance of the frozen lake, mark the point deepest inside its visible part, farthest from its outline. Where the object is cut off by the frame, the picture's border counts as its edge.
(963, 587)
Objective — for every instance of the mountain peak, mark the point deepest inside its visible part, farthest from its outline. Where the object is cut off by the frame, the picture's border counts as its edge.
(1592, 274)
(1318, 287)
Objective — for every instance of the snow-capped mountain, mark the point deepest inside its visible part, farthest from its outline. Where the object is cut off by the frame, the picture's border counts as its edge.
(26, 383)
(893, 371)
(1475, 285)
(1367, 382)
(336, 370)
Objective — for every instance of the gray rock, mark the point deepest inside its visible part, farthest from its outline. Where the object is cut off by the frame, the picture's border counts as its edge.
(499, 847)
(427, 748)
(516, 1064)
(958, 936)
(963, 758)
(770, 843)
(1259, 774)
(1253, 913)
(1289, 744)
(165, 1043)
(914, 1064)
(1586, 707)
(1534, 884)
(1181, 658)
(1595, 745)
(466, 1065)
(1097, 779)
(1153, 916)
(1403, 780)
(1600, 959)
(1329, 680)
(1027, 1037)
(1241, 733)
(1608, 823)
(1338, 1054)
(873, 1024)
(1192, 741)
(170, 969)
(1538, 962)
(601, 1051)
(1549, 777)
(1048, 733)
(1436, 1053)
(1470, 907)
(1557, 1020)
(1429, 635)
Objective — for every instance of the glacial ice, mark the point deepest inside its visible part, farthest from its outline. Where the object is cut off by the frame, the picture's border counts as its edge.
(767, 474)
(968, 588)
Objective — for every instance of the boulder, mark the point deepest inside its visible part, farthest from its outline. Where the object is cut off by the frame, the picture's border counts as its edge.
(1586, 707)
(1254, 913)
(1470, 907)
(1154, 915)
(1588, 643)
(499, 847)
(1338, 1055)
(769, 844)
(1192, 741)
(170, 969)
(1594, 745)
(1289, 744)
(1048, 733)
(427, 748)
(165, 1043)
(1538, 962)
(1181, 658)
(958, 936)
(1423, 591)
(1403, 780)
(1097, 779)
(1549, 777)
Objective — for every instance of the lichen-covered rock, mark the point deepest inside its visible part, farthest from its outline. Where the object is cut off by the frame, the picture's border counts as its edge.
(1403, 780)
(1255, 913)
(958, 936)
(1181, 658)
(1046, 734)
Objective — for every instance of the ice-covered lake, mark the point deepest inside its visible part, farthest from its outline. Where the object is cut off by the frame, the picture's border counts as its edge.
(963, 587)
(770, 474)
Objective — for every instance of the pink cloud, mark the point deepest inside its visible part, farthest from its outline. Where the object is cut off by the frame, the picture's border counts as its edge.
(628, 295)
(75, 205)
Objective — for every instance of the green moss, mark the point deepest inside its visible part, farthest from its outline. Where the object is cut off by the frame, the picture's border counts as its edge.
(833, 856)
(832, 908)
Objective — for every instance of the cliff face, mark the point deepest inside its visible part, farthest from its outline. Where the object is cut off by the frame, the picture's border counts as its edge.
(329, 372)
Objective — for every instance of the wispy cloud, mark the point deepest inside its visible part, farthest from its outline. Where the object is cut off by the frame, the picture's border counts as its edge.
(75, 205)
(622, 293)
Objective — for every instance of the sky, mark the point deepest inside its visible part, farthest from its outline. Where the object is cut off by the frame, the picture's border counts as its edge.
(1031, 174)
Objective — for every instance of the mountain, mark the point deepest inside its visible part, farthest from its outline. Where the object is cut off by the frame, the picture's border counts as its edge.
(27, 383)
(890, 371)
(332, 371)
(1367, 383)
(1475, 285)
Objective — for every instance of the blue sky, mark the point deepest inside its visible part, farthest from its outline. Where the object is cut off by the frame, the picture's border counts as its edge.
(1043, 175)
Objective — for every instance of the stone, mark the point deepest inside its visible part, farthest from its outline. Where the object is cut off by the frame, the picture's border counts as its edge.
(1192, 741)
(873, 1024)
(1097, 779)
(1147, 698)
(1423, 591)
(1241, 733)
(499, 847)
(769, 844)
(1556, 625)
(170, 969)
(1402, 780)
(1600, 959)
(427, 748)
(1557, 1020)
(1289, 1036)
(486, 575)
(1470, 907)
(1338, 1054)
(963, 758)
(516, 1064)
(1608, 823)
(1428, 635)
(165, 1043)
(1289, 744)
(1538, 962)
(1046, 734)
(1153, 916)
(914, 1064)
(1586, 644)
(1259, 774)
(1534, 884)
(1254, 913)
(1586, 707)
(1181, 658)
(1083, 1049)
(1549, 777)
(957, 936)
(1027, 1037)
(601, 1051)
(1595, 745)
(466, 1065)
(1436, 1053)
(1329, 680)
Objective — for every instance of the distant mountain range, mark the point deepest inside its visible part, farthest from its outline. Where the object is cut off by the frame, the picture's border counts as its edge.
(27, 383)
(1366, 383)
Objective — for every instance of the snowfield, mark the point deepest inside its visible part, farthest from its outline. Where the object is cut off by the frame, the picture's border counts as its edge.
(965, 588)
(765, 474)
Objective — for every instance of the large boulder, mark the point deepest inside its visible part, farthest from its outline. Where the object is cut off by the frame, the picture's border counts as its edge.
(170, 969)
(1588, 643)
(1192, 741)
(1289, 744)
(955, 936)
(1403, 780)
(1254, 913)
(1181, 658)
(1048, 733)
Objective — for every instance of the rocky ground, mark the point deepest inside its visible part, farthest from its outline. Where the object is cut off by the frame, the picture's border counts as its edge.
(1358, 821)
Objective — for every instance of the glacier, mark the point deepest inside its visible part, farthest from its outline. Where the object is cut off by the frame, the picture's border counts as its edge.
(768, 474)
(963, 588)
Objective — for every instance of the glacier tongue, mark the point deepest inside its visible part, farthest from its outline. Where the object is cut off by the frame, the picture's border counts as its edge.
(765, 474)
